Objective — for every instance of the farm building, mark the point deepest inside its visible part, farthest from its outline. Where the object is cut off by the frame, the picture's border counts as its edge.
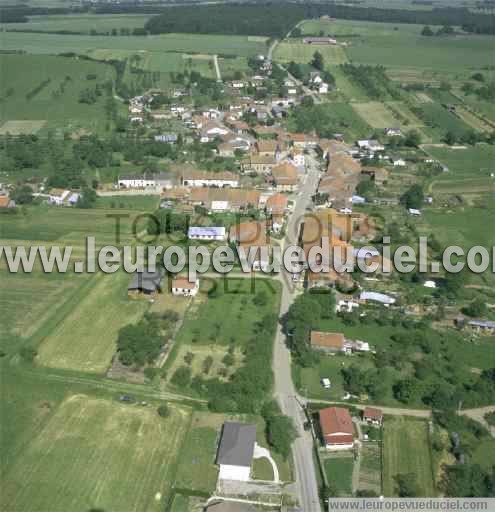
(182, 286)
(258, 163)
(236, 450)
(206, 233)
(146, 282)
(210, 179)
(319, 40)
(6, 202)
(382, 298)
(284, 177)
(373, 415)
(336, 428)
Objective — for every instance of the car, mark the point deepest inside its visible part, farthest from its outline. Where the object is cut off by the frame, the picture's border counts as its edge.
(126, 398)
(326, 383)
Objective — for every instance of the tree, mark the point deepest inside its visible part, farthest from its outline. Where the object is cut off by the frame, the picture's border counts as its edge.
(163, 411)
(450, 138)
(412, 139)
(413, 197)
(427, 31)
(260, 299)
(407, 485)
(477, 308)
(22, 195)
(318, 61)
(296, 32)
(87, 198)
(181, 377)
(280, 430)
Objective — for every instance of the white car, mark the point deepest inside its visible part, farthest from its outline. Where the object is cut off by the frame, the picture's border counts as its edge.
(326, 383)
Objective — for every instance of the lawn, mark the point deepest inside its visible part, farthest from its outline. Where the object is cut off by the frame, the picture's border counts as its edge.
(439, 121)
(338, 471)
(38, 89)
(142, 203)
(406, 450)
(122, 457)
(303, 53)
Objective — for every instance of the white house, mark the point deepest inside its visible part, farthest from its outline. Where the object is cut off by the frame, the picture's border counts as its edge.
(414, 212)
(210, 179)
(377, 297)
(58, 196)
(347, 306)
(398, 162)
(206, 233)
(236, 450)
(370, 145)
(137, 181)
(182, 286)
(323, 88)
(393, 132)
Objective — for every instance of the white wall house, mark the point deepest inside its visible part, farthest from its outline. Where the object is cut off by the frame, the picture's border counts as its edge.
(182, 286)
(136, 182)
(207, 233)
(211, 180)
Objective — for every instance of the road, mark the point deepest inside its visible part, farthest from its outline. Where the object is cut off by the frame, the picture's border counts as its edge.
(285, 392)
(217, 68)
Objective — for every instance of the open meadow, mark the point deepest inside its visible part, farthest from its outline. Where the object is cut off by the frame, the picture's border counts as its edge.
(72, 318)
(299, 52)
(43, 89)
(122, 457)
(406, 449)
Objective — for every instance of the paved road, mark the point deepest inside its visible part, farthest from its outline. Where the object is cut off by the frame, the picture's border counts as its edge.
(285, 392)
(217, 68)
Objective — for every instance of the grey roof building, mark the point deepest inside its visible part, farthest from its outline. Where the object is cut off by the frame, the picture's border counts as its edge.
(236, 445)
(146, 282)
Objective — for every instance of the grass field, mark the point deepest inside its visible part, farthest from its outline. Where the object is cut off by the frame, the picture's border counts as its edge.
(141, 203)
(21, 127)
(98, 453)
(83, 23)
(439, 121)
(243, 46)
(375, 114)
(57, 101)
(50, 308)
(303, 53)
(406, 450)
(339, 471)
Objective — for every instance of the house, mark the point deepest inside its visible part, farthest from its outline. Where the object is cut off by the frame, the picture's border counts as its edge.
(276, 204)
(226, 150)
(170, 138)
(146, 283)
(373, 416)
(206, 233)
(298, 158)
(370, 145)
(393, 132)
(194, 178)
(268, 148)
(485, 326)
(398, 162)
(414, 212)
(251, 236)
(182, 286)
(235, 451)
(347, 306)
(323, 88)
(319, 40)
(136, 181)
(327, 341)
(258, 164)
(225, 199)
(6, 202)
(284, 177)
(376, 297)
(336, 428)
(58, 196)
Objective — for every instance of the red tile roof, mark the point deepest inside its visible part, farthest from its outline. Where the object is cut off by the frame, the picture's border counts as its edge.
(336, 423)
(373, 414)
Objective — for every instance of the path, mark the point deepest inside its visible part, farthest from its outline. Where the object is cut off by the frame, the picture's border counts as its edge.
(260, 453)
(217, 68)
(478, 415)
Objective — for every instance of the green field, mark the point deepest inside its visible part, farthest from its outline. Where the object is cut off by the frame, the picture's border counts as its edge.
(82, 23)
(406, 450)
(57, 101)
(398, 46)
(303, 53)
(142, 203)
(370, 470)
(99, 453)
(375, 114)
(243, 46)
(338, 471)
(75, 317)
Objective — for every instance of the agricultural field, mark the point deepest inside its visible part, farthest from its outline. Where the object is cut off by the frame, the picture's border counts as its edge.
(439, 121)
(141, 203)
(406, 450)
(303, 53)
(370, 470)
(338, 470)
(38, 91)
(243, 46)
(121, 456)
(49, 308)
(375, 114)
(80, 23)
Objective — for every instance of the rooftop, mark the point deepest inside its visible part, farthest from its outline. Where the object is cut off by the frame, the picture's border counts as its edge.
(236, 445)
